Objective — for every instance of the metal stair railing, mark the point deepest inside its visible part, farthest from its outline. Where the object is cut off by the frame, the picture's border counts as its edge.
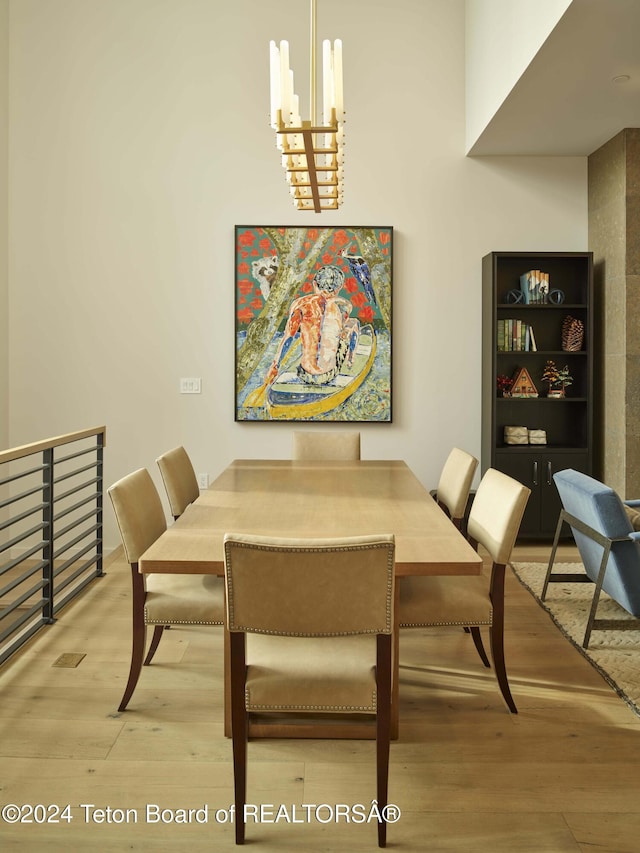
(51, 519)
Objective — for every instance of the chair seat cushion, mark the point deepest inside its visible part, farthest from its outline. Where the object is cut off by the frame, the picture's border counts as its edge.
(184, 600)
(431, 601)
(326, 674)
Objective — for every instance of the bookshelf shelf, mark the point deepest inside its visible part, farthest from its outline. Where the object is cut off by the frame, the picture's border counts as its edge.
(554, 400)
(521, 307)
(567, 421)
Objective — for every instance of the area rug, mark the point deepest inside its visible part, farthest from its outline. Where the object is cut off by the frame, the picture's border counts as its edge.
(615, 654)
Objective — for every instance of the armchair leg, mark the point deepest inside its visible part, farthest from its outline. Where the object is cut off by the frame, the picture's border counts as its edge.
(596, 594)
(552, 556)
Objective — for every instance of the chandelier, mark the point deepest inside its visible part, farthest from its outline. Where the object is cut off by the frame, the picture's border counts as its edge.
(312, 151)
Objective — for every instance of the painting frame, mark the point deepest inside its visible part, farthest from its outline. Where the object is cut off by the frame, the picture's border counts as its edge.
(313, 323)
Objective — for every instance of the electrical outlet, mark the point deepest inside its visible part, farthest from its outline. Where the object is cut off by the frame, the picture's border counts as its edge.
(203, 481)
(190, 386)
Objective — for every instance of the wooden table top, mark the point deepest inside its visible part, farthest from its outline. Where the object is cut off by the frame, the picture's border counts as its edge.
(287, 498)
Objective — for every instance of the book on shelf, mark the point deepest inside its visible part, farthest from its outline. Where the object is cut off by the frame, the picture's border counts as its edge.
(514, 335)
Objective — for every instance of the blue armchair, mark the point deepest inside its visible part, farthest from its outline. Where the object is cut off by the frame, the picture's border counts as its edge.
(607, 543)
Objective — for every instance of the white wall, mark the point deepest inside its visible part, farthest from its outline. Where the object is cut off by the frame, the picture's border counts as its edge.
(502, 37)
(139, 137)
(4, 293)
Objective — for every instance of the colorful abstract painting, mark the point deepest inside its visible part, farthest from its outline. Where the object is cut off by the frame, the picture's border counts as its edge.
(313, 323)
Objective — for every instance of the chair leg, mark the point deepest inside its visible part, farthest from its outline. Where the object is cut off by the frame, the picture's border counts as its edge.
(496, 635)
(596, 594)
(383, 730)
(155, 641)
(497, 652)
(139, 636)
(552, 556)
(239, 730)
(477, 639)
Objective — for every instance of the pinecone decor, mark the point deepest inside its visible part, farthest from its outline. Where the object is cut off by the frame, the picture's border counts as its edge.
(572, 334)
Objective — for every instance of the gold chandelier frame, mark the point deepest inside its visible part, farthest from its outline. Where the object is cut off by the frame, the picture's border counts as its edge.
(312, 151)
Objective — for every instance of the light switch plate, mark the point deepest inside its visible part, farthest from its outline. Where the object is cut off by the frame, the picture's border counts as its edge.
(190, 386)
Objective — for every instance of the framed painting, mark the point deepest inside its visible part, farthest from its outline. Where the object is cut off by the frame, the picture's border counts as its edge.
(313, 323)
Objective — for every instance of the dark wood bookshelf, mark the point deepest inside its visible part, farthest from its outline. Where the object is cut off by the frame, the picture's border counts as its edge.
(568, 421)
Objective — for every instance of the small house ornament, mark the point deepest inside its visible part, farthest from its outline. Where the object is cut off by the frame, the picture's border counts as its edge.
(523, 384)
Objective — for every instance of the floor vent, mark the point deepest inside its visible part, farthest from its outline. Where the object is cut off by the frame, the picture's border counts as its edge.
(69, 660)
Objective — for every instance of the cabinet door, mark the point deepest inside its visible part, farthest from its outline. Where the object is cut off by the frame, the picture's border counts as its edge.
(550, 503)
(535, 469)
(525, 467)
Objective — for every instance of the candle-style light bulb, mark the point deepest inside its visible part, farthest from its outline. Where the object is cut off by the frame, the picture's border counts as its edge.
(337, 79)
(285, 105)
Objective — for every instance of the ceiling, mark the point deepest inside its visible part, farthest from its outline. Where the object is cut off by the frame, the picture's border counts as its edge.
(566, 102)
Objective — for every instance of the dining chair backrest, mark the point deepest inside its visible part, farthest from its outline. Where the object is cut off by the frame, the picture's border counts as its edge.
(179, 479)
(455, 481)
(139, 513)
(498, 507)
(320, 615)
(309, 587)
(161, 599)
(318, 446)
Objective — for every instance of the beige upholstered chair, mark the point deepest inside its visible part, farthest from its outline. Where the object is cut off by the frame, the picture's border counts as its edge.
(320, 615)
(494, 522)
(313, 445)
(454, 485)
(158, 599)
(179, 479)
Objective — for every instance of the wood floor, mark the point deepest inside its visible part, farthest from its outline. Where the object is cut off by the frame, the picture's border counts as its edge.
(560, 777)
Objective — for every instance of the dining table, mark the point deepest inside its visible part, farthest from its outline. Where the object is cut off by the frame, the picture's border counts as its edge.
(328, 499)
